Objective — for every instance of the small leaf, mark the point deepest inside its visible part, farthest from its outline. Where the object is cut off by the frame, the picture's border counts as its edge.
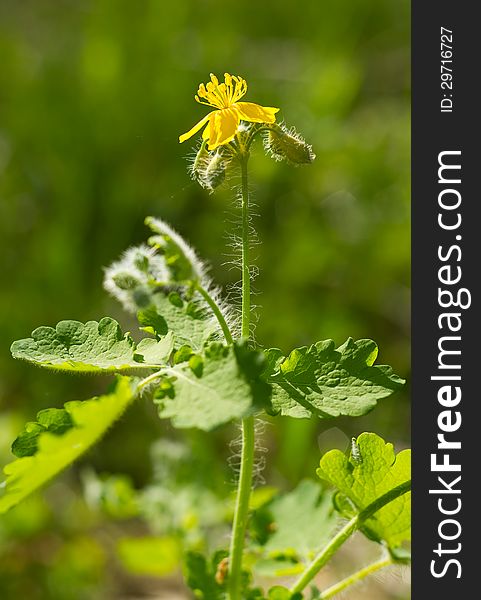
(90, 419)
(328, 382)
(281, 593)
(400, 555)
(191, 325)
(155, 352)
(361, 483)
(153, 556)
(213, 389)
(152, 322)
(200, 577)
(183, 354)
(280, 566)
(91, 348)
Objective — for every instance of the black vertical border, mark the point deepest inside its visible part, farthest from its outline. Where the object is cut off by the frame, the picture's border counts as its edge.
(432, 132)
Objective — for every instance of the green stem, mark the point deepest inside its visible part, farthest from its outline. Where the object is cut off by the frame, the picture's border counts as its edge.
(323, 557)
(345, 533)
(246, 279)
(241, 511)
(257, 130)
(217, 312)
(355, 577)
(148, 380)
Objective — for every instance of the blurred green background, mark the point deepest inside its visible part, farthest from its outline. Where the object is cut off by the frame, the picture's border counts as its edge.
(93, 96)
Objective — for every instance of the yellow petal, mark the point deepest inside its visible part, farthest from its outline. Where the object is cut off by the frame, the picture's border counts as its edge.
(206, 132)
(223, 127)
(248, 111)
(194, 129)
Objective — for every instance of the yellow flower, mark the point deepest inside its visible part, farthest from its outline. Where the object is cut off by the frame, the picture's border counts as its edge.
(224, 121)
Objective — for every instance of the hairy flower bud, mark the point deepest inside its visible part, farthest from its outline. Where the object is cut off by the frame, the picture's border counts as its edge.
(142, 297)
(286, 144)
(208, 168)
(125, 281)
(198, 164)
(214, 173)
(141, 262)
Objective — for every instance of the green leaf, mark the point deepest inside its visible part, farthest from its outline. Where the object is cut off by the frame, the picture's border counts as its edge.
(90, 418)
(400, 555)
(207, 578)
(315, 593)
(200, 577)
(281, 593)
(301, 520)
(155, 352)
(259, 496)
(55, 420)
(280, 566)
(91, 348)
(153, 556)
(151, 322)
(212, 389)
(192, 325)
(360, 482)
(328, 382)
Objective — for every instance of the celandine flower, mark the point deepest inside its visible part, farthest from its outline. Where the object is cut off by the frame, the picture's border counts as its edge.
(224, 121)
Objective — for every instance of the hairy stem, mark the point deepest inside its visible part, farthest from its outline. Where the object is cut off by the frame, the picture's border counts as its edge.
(255, 131)
(241, 512)
(241, 509)
(148, 380)
(355, 577)
(217, 312)
(246, 279)
(351, 526)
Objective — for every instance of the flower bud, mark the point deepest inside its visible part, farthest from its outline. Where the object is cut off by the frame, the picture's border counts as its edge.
(198, 164)
(208, 168)
(142, 297)
(141, 262)
(214, 172)
(125, 281)
(286, 144)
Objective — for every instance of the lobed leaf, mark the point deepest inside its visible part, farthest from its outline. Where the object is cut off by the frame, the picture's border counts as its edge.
(90, 418)
(190, 324)
(210, 389)
(91, 348)
(301, 520)
(328, 382)
(200, 576)
(281, 593)
(361, 480)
